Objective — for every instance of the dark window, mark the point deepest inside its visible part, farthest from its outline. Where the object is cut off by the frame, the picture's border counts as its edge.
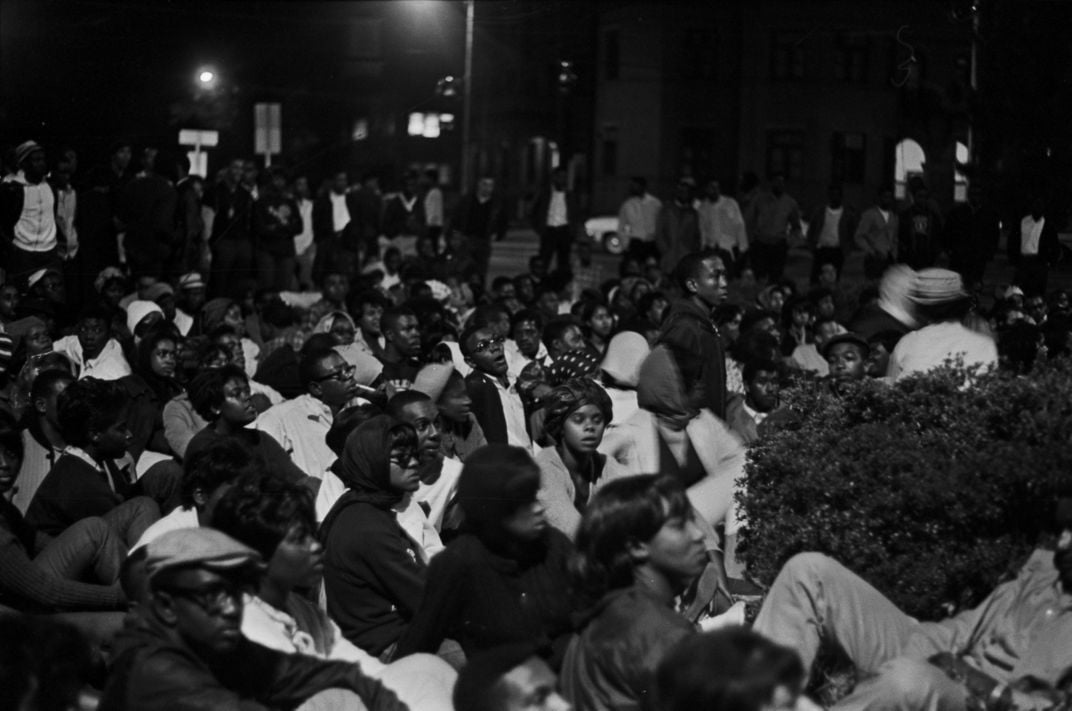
(611, 54)
(850, 58)
(699, 54)
(697, 151)
(608, 158)
(847, 157)
(787, 56)
(785, 154)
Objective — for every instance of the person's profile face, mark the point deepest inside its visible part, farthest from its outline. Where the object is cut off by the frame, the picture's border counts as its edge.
(423, 416)
(532, 686)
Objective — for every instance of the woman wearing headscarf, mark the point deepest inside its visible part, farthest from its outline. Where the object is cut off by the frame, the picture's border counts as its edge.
(504, 578)
(374, 572)
(228, 312)
(571, 471)
(150, 387)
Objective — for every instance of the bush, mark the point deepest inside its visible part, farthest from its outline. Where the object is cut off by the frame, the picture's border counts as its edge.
(930, 490)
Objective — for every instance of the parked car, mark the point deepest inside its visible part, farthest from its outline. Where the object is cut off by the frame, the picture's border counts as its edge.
(604, 230)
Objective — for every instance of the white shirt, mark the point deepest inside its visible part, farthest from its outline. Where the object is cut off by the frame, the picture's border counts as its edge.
(829, 236)
(517, 433)
(556, 209)
(275, 629)
(110, 363)
(415, 522)
(183, 321)
(1030, 234)
(35, 230)
(516, 361)
(637, 217)
(300, 426)
(340, 213)
(722, 225)
(930, 346)
(179, 518)
(304, 240)
(433, 207)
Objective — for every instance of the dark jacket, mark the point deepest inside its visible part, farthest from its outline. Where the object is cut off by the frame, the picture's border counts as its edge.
(846, 227)
(234, 213)
(484, 221)
(153, 672)
(972, 234)
(73, 490)
(487, 407)
(611, 663)
(1049, 246)
(373, 575)
(689, 327)
(543, 203)
(145, 417)
(483, 599)
(920, 239)
(148, 207)
(276, 221)
(397, 220)
(677, 233)
(324, 218)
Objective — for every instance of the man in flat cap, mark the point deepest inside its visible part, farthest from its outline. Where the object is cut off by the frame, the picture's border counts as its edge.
(184, 648)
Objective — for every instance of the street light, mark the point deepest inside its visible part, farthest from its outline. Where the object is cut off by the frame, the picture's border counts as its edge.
(207, 78)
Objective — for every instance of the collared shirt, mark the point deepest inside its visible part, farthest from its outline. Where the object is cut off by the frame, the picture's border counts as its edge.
(756, 415)
(275, 629)
(830, 235)
(183, 321)
(413, 519)
(722, 225)
(340, 213)
(556, 209)
(1030, 234)
(514, 412)
(35, 230)
(110, 363)
(637, 217)
(301, 425)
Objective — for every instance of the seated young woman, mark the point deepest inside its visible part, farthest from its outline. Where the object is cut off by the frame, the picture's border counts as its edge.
(576, 416)
(638, 548)
(374, 573)
(222, 397)
(504, 578)
(276, 519)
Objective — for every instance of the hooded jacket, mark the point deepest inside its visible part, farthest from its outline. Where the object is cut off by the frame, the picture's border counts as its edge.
(373, 574)
(689, 327)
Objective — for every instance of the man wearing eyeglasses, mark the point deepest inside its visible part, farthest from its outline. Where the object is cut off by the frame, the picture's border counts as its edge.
(185, 649)
(496, 401)
(301, 425)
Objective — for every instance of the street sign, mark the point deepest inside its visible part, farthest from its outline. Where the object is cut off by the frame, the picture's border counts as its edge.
(199, 139)
(267, 130)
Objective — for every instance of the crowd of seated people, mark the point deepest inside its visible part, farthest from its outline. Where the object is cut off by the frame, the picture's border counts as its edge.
(285, 495)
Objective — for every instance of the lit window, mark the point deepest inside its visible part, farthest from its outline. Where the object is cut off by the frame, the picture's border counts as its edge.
(909, 160)
(431, 126)
(360, 131)
(416, 125)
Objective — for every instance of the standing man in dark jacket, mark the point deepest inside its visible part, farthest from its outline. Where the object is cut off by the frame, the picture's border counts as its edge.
(831, 232)
(232, 250)
(276, 221)
(972, 232)
(481, 217)
(183, 648)
(689, 326)
(336, 229)
(557, 219)
(147, 207)
(921, 231)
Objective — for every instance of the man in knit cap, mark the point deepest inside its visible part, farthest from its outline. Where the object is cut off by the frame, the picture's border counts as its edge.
(28, 214)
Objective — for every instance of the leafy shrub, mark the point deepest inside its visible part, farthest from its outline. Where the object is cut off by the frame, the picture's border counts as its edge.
(930, 490)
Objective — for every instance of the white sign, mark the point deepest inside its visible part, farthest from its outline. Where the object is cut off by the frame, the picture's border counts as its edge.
(267, 129)
(200, 139)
